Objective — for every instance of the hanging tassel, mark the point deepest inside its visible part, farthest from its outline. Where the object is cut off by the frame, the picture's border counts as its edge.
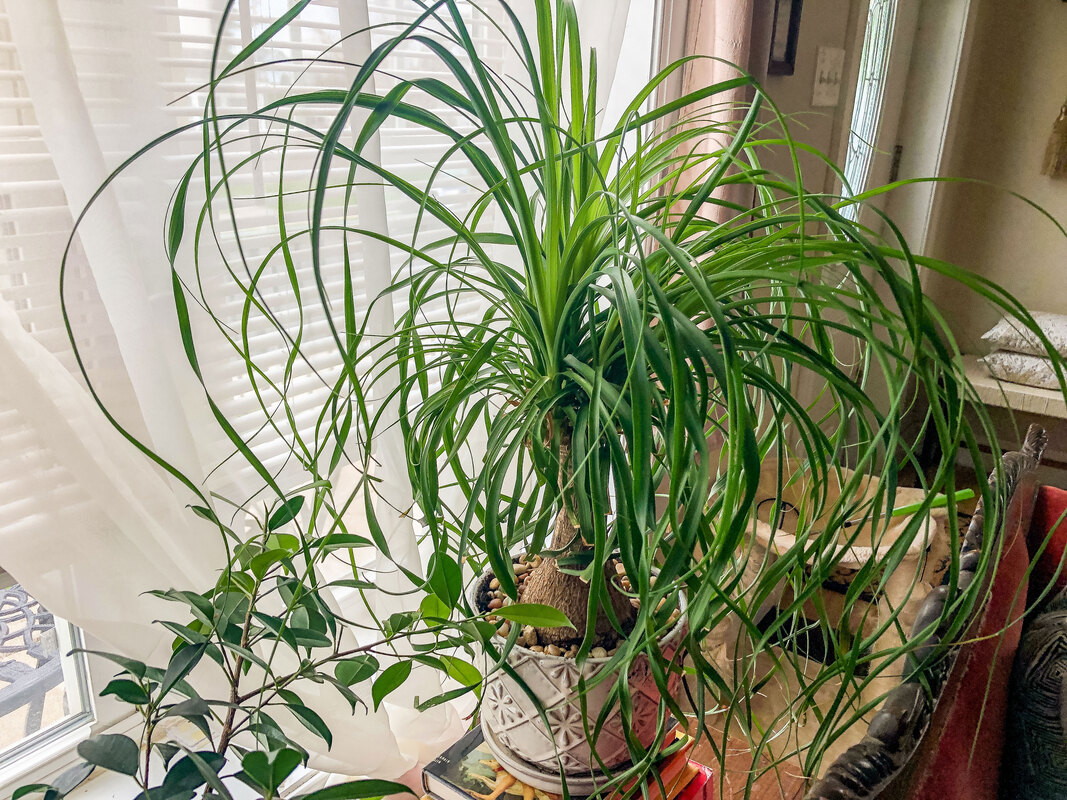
(1055, 165)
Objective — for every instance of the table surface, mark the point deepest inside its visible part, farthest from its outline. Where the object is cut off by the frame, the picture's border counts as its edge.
(786, 783)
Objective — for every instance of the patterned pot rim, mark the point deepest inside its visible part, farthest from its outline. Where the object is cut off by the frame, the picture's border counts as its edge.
(667, 639)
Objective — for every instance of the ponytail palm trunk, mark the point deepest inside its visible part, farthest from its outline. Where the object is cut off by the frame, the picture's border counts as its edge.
(569, 593)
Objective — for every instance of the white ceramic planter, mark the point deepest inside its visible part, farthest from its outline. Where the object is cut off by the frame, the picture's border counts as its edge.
(517, 736)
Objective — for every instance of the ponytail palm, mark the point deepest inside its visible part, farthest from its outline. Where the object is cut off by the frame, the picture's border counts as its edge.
(640, 349)
(637, 358)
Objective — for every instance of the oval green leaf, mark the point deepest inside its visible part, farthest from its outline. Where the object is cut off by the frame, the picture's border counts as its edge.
(111, 751)
(181, 664)
(31, 788)
(445, 578)
(462, 671)
(313, 722)
(186, 775)
(390, 680)
(536, 614)
(286, 512)
(127, 692)
(354, 670)
(433, 608)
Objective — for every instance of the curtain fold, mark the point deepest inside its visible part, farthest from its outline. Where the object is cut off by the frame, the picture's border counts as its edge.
(44, 53)
(720, 30)
(91, 555)
(100, 526)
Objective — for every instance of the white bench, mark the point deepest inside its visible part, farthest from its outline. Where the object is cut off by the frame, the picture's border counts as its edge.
(1025, 399)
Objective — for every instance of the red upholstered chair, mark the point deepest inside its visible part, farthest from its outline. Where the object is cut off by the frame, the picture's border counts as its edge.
(950, 748)
(1048, 539)
(959, 758)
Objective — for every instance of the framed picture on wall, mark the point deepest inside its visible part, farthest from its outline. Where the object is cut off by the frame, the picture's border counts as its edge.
(784, 33)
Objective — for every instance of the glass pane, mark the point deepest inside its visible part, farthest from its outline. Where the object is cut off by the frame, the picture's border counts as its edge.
(867, 108)
(42, 685)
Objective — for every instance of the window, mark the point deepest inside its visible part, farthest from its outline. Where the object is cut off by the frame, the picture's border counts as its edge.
(43, 688)
(138, 70)
(870, 87)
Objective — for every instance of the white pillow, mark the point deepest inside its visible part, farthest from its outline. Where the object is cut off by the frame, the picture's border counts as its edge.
(1021, 368)
(1009, 334)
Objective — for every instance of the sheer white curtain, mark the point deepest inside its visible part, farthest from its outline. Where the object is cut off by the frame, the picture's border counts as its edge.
(722, 30)
(89, 524)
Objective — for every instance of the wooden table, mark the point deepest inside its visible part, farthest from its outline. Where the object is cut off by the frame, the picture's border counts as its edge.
(785, 783)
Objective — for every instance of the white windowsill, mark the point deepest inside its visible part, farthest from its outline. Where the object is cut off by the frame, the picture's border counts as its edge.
(51, 757)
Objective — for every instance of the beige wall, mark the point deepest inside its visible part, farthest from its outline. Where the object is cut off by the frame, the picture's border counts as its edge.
(822, 22)
(1015, 82)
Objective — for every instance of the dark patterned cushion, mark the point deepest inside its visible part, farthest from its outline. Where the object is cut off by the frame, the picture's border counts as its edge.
(1035, 755)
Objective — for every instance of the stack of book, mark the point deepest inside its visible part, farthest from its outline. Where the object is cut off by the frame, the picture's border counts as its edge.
(468, 771)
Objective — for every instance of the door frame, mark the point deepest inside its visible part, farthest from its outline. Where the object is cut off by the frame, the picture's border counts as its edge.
(930, 108)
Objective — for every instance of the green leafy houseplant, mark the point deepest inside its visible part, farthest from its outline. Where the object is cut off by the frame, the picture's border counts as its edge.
(633, 364)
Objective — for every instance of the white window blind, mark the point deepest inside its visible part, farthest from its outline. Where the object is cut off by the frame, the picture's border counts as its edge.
(35, 222)
(139, 67)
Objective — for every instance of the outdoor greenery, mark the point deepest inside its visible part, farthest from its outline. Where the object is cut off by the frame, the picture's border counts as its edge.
(641, 347)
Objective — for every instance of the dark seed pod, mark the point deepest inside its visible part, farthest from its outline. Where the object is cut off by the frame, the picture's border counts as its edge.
(855, 779)
(923, 651)
(834, 793)
(907, 703)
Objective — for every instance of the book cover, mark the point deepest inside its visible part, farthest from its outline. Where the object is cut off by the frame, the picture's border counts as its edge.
(700, 787)
(468, 771)
(674, 771)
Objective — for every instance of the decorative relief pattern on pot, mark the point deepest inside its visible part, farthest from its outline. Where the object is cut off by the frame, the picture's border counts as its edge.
(504, 706)
(516, 725)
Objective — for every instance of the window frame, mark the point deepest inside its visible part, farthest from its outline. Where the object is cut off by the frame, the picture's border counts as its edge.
(43, 756)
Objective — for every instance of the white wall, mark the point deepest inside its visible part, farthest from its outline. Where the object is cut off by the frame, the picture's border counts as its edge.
(822, 22)
(1015, 83)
